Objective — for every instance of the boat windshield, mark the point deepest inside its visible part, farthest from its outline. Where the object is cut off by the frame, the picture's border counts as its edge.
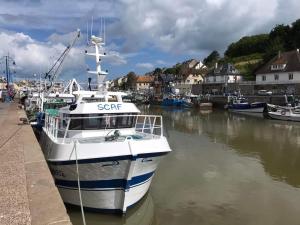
(101, 121)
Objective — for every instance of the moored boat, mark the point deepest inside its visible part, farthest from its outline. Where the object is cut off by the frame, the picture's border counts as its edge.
(284, 113)
(102, 148)
(241, 105)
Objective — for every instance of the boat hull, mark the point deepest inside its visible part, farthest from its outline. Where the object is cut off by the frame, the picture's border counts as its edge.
(287, 116)
(107, 183)
(247, 108)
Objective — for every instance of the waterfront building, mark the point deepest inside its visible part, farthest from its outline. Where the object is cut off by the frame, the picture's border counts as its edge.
(281, 74)
(144, 83)
(218, 78)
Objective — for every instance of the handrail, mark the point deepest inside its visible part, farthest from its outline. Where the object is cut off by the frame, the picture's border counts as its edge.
(147, 124)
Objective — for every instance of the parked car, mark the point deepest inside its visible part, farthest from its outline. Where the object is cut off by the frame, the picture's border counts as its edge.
(264, 92)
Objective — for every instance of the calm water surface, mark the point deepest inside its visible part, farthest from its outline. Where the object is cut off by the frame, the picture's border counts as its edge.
(224, 169)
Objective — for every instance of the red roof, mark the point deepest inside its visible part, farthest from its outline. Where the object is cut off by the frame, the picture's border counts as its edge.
(144, 79)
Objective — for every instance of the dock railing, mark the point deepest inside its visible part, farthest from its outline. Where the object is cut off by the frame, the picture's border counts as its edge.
(60, 127)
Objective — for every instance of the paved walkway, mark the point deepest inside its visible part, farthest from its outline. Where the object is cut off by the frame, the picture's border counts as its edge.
(27, 191)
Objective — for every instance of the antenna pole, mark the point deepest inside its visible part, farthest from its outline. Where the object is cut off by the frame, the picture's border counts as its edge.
(104, 39)
(87, 33)
(92, 26)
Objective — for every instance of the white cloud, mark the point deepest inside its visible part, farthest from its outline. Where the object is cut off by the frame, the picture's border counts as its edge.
(115, 58)
(193, 25)
(145, 65)
(32, 56)
(35, 57)
(189, 27)
(161, 62)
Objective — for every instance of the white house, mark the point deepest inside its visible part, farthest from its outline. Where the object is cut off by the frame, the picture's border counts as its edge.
(223, 74)
(191, 72)
(282, 69)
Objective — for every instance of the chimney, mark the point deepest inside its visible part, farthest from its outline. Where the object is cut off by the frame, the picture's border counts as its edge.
(279, 54)
(216, 65)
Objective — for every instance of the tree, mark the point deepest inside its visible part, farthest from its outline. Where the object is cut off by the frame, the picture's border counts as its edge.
(131, 80)
(212, 58)
(248, 45)
(295, 34)
(273, 47)
(281, 34)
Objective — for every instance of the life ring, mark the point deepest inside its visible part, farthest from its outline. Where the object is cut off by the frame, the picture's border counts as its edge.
(283, 112)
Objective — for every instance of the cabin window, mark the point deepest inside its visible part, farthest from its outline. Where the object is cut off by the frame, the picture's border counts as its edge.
(102, 121)
(263, 78)
(93, 100)
(276, 76)
(112, 98)
(291, 76)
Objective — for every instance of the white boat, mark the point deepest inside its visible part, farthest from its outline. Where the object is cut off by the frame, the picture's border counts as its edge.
(102, 149)
(284, 113)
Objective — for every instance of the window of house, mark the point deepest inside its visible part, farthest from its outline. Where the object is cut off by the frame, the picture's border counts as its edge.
(291, 76)
(276, 76)
(263, 78)
(215, 79)
(195, 81)
(278, 66)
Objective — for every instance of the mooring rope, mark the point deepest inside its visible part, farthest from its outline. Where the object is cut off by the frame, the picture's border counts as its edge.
(78, 182)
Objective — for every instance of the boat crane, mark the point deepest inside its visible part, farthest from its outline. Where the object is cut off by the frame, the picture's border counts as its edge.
(54, 71)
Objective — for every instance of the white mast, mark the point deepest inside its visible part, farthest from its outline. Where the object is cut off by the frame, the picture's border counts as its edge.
(98, 43)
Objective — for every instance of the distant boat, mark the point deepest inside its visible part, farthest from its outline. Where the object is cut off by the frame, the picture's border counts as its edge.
(177, 101)
(241, 105)
(284, 113)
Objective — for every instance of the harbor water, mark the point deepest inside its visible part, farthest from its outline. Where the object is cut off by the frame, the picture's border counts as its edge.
(225, 168)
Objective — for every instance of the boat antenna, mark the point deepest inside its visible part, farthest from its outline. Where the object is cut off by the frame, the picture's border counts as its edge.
(87, 33)
(92, 26)
(104, 38)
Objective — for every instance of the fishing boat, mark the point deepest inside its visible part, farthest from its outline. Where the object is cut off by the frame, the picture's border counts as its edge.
(177, 101)
(241, 105)
(284, 113)
(102, 152)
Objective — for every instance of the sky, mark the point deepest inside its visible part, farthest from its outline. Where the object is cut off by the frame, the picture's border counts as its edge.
(140, 35)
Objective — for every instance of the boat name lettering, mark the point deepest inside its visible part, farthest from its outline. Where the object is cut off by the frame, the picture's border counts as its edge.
(109, 106)
(57, 173)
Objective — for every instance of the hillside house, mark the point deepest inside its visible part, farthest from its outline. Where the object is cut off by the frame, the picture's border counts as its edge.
(281, 74)
(217, 79)
(144, 83)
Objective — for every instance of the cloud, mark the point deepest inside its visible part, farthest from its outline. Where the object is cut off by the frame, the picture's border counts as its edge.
(35, 57)
(189, 28)
(32, 56)
(115, 58)
(145, 65)
(161, 62)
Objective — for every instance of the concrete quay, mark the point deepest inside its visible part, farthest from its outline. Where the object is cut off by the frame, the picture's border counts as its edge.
(27, 191)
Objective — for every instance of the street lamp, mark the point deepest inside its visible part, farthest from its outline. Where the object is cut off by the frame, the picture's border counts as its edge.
(8, 60)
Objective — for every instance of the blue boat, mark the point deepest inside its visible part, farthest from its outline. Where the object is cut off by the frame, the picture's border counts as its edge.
(177, 101)
(240, 104)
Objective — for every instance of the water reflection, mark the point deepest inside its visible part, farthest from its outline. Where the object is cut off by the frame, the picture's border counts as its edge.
(275, 143)
(141, 214)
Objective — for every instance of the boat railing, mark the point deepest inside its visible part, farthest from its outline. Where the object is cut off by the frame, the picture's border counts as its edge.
(61, 127)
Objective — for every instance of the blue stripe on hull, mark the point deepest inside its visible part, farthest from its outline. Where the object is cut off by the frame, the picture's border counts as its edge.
(112, 184)
(106, 159)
